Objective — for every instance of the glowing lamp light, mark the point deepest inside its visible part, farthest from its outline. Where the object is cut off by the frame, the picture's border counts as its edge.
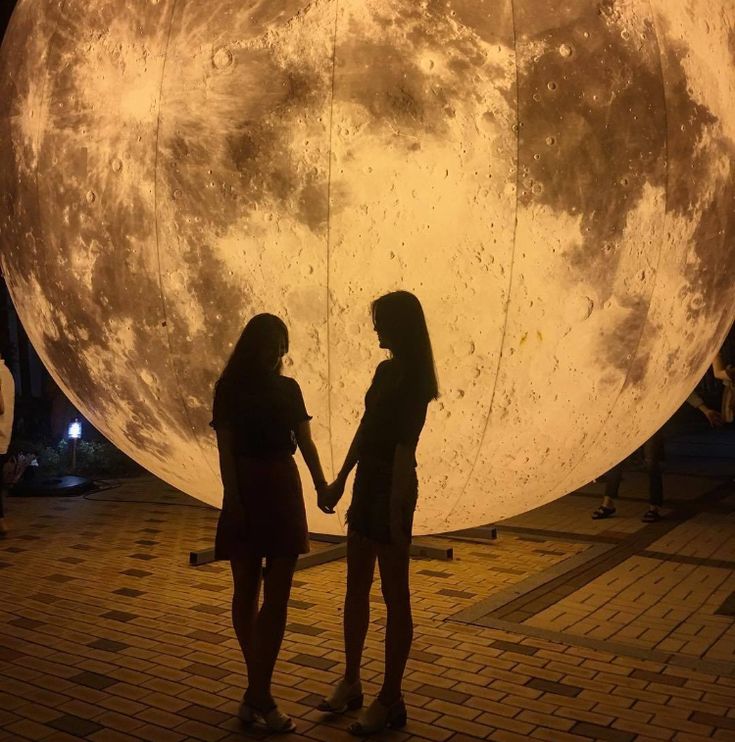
(553, 180)
(74, 431)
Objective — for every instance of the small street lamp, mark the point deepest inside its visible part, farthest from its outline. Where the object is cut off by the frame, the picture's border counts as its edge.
(74, 433)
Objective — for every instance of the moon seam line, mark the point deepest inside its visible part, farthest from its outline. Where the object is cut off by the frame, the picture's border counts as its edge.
(177, 381)
(511, 271)
(53, 372)
(44, 94)
(329, 235)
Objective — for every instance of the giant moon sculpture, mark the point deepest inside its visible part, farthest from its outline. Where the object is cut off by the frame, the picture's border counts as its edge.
(555, 181)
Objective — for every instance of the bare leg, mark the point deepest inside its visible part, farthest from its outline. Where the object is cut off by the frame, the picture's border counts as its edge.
(360, 570)
(393, 561)
(270, 626)
(612, 484)
(246, 577)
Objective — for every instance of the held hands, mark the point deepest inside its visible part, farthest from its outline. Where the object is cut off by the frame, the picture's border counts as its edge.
(329, 495)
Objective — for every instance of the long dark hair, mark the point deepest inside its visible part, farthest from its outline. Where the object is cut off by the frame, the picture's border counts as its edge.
(400, 317)
(262, 334)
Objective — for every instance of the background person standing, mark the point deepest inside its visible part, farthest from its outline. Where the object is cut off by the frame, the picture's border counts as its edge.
(7, 410)
(653, 455)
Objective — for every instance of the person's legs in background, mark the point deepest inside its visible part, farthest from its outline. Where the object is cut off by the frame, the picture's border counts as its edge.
(613, 478)
(653, 454)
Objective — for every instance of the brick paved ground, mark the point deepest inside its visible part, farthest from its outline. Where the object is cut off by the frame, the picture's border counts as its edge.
(108, 634)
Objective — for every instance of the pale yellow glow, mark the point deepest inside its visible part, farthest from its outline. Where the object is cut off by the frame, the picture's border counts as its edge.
(554, 183)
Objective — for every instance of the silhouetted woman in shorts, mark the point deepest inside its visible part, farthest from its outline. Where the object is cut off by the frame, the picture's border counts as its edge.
(380, 516)
(260, 418)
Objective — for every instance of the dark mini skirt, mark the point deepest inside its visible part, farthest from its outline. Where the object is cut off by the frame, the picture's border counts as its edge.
(268, 518)
(369, 511)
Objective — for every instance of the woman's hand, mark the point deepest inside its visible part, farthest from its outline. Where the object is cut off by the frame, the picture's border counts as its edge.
(330, 495)
(321, 488)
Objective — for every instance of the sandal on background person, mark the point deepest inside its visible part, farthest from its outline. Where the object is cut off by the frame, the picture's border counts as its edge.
(651, 515)
(603, 512)
(377, 717)
(345, 697)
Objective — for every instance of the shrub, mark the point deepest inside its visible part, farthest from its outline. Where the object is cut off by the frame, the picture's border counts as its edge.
(95, 458)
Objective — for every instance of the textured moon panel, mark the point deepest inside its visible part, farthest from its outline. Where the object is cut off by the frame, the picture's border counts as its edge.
(424, 112)
(554, 181)
(243, 192)
(579, 108)
(95, 222)
(106, 265)
(695, 263)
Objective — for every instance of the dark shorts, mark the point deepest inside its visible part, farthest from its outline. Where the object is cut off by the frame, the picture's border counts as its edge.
(268, 517)
(369, 511)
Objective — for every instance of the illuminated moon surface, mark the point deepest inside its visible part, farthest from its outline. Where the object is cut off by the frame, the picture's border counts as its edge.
(555, 181)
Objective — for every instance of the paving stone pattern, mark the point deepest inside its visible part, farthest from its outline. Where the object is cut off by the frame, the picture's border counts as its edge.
(97, 648)
(664, 587)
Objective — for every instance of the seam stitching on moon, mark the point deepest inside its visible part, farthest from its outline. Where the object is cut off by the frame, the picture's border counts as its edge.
(654, 283)
(329, 236)
(42, 267)
(511, 270)
(158, 246)
(44, 93)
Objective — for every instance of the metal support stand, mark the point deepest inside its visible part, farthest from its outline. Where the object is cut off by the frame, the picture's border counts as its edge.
(419, 548)
(481, 533)
(323, 556)
(312, 559)
(427, 550)
(197, 558)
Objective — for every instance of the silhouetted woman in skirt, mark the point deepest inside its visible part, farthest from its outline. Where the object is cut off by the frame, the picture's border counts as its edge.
(380, 516)
(260, 418)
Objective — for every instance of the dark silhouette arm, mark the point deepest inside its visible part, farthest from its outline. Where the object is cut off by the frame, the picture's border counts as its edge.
(333, 493)
(311, 455)
(352, 457)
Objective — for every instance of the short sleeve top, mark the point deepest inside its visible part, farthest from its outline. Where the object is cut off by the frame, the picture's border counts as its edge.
(262, 414)
(395, 413)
